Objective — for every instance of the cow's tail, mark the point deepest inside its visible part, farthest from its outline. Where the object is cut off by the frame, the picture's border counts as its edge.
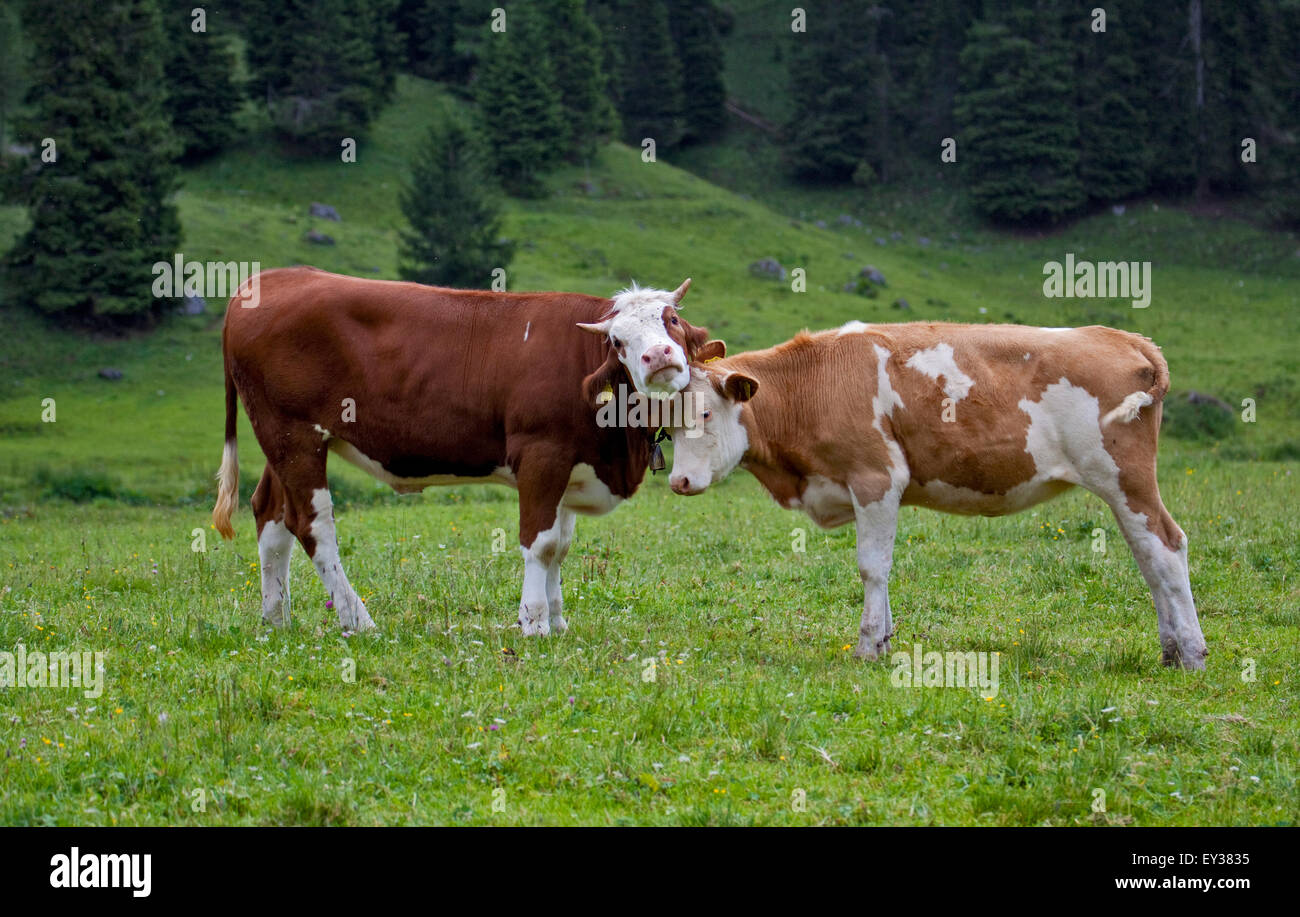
(228, 476)
(1128, 409)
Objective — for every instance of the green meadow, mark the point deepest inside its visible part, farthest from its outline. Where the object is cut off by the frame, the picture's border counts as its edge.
(707, 677)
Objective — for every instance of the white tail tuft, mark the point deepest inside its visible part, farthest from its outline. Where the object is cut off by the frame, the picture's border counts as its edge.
(1128, 409)
(227, 490)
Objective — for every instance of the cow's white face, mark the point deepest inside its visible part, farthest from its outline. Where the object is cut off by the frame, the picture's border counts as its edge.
(651, 341)
(714, 446)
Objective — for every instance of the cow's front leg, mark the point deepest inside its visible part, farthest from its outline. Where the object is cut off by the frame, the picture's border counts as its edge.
(545, 529)
(565, 520)
(876, 524)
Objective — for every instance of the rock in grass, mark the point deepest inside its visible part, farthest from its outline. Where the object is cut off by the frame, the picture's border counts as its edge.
(768, 269)
(325, 212)
(110, 373)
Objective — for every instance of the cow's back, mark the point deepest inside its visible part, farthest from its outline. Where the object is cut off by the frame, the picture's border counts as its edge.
(423, 381)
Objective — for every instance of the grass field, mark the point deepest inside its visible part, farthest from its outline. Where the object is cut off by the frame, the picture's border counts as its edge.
(448, 715)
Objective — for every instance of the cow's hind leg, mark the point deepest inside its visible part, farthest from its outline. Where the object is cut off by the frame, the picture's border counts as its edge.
(310, 516)
(1160, 548)
(274, 547)
(877, 522)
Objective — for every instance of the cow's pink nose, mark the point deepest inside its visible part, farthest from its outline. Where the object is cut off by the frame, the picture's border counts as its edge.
(657, 358)
(681, 486)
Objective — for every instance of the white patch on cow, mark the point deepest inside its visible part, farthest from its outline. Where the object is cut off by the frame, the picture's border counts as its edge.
(1066, 444)
(828, 503)
(528, 327)
(540, 607)
(938, 362)
(853, 327)
(963, 501)
(351, 610)
(587, 493)
(1026, 356)
(274, 548)
(324, 434)
(1064, 441)
(883, 403)
(350, 453)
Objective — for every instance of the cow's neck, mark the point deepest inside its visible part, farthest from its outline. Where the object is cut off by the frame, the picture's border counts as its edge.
(771, 421)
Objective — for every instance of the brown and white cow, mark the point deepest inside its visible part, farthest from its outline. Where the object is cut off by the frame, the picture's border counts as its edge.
(849, 424)
(421, 386)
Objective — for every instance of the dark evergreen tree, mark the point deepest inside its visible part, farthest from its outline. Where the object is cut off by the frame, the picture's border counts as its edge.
(693, 24)
(101, 213)
(521, 113)
(1019, 133)
(577, 57)
(428, 30)
(454, 215)
(830, 76)
(202, 97)
(648, 90)
(322, 67)
(12, 70)
(1114, 149)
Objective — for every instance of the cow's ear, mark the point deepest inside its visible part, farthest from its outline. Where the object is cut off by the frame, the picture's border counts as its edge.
(696, 338)
(736, 387)
(609, 373)
(711, 350)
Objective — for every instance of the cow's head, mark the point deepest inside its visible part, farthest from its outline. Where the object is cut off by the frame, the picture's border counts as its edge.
(648, 338)
(712, 446)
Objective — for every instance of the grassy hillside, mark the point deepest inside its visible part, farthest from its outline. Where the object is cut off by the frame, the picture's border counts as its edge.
(754, 695)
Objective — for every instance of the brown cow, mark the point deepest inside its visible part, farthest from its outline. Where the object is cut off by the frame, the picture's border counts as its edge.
(977, 419)
(422, 386)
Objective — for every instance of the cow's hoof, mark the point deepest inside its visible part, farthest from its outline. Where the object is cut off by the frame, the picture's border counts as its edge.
(541, 627)
(1191, 661)
(871, 648)
(558, 624)
(276, 621)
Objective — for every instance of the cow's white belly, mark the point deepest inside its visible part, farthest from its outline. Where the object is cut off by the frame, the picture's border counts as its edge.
(355, 456)
(946, 498)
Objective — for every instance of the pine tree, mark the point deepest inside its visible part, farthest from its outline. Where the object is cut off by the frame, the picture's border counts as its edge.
(101, 214)
(323, 67)
(428, 29)
(12, 75)
(830, 87)
(648, 90)
(693, 24)
(1019, 131)
(578, 60)
(202, 98)
(1114, 149)
(521, 113)
(455, 219)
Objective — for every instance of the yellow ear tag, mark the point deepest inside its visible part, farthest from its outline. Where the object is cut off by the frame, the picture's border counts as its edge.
(607, 395)
(713, 359)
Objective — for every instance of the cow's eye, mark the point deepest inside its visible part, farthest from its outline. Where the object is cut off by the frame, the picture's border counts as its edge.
(675, 322)
(706, 415)
(618, 345)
